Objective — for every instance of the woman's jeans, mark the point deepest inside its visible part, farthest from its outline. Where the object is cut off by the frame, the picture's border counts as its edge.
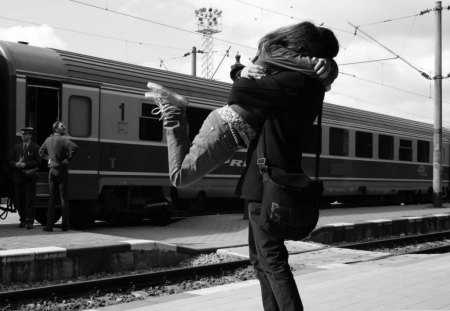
(213, 145)
(269, 258)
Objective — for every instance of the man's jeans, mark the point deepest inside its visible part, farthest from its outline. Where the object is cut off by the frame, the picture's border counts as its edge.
(24, 200)
(269, 257)
(57, 182)
(213, 145)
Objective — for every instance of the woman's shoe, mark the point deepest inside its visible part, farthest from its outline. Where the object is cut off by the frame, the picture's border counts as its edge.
(160, 93)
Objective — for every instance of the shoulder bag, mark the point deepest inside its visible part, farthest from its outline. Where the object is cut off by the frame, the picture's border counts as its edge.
(290, 202)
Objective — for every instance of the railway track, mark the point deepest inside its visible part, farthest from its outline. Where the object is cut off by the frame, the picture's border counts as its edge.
(418, 238)
(171, 276)
(141, 280)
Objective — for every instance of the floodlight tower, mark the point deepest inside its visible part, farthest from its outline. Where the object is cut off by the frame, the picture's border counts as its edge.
(209, 22)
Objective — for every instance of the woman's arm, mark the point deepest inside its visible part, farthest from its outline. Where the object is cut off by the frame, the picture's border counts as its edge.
(267, 91)
(324, 70)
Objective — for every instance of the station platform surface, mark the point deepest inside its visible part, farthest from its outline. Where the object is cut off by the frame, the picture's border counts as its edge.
(327, 278)
(408, 282)
(197, 232)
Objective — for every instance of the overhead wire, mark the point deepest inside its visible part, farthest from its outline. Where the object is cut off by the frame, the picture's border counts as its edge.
(157, 23)
(287, 15)
(424, 74)
(333, 91)
(368, 61)
(397, 18)
(95, 35)
(192, 32)
(388, 86)
(408, 35)
(404, 17)
(383, 84)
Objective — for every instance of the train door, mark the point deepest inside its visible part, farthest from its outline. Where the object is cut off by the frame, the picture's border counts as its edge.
(43, 107)
(80, 114)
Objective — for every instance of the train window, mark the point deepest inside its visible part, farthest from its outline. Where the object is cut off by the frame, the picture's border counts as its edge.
(405, 150)
(80, 115)
(339, 141)
(195, 117)
(386, 147)
(363, 147)
(423, 151)
(150, 128)
(310, 143)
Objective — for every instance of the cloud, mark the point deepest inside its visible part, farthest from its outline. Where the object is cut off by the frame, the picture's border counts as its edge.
(42, 35)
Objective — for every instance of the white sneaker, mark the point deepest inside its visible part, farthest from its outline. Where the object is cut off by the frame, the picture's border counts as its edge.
(159, 92)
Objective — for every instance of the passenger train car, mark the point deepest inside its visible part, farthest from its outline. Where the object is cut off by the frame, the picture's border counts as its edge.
(121, 166)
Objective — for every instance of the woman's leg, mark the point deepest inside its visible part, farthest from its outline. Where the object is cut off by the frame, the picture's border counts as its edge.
(212, 146)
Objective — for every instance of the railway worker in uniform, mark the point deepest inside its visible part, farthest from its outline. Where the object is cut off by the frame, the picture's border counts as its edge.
(233, 126)
(58, 151)
(287, 102)
(25, 162)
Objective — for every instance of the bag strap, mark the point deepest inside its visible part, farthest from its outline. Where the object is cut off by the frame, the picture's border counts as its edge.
(261, 147)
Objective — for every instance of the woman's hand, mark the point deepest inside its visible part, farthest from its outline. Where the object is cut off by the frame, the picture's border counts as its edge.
(253, 71)
(322, 67)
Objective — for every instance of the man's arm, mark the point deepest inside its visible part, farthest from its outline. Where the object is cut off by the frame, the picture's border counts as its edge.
(71, 148)
(43, 151)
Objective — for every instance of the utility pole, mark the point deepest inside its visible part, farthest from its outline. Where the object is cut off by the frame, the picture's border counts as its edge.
(437, 139)
(437, 128)
(194, 61)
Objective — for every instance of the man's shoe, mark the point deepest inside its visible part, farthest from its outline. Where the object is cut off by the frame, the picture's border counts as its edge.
(30, 225)
(65, 228)
(161, 94)
(22, 224)
(47, 229)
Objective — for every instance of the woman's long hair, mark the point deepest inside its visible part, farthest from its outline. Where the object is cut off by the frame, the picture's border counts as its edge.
(304, 38)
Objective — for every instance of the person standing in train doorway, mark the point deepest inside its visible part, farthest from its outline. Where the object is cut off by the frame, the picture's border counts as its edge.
(58, 151)
(25, 162)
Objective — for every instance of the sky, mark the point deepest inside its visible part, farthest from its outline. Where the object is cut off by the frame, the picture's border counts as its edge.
(157, 33)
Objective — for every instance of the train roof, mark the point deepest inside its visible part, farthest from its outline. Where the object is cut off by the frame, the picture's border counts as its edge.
(54, 63)
(27, 59)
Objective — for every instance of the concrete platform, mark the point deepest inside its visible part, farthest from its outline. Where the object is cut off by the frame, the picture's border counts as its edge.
(410, 282)
(120, 247)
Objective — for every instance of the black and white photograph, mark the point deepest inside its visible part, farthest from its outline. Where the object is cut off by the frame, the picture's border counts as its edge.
(238, 155)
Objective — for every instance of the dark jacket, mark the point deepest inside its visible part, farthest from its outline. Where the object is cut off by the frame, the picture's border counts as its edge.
(287, 103)
(59, 150)
(30, 157)
(249, 96)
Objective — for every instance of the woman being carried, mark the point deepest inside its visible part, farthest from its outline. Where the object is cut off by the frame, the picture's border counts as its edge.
(233, 126)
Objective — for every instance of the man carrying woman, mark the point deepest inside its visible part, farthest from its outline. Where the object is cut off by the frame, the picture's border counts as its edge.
(282, 92)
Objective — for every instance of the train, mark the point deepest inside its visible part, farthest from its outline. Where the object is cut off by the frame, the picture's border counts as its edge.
(121, 168)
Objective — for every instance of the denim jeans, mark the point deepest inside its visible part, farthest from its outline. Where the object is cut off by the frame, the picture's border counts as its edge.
(212, 146)
(57, 182)
(269, 258)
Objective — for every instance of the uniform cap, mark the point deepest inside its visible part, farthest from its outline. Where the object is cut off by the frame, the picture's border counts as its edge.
(26, 130)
